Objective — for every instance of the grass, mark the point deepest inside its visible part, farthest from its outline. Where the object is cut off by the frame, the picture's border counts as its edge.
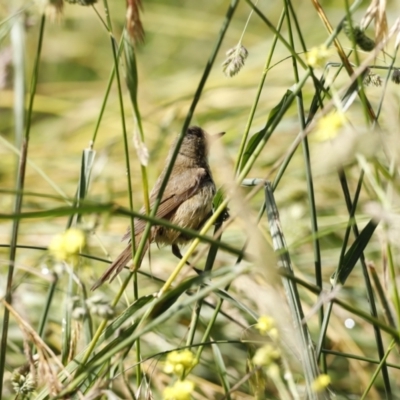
(299, 283)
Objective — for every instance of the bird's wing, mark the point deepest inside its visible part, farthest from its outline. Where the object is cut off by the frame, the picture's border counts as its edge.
(178, 189)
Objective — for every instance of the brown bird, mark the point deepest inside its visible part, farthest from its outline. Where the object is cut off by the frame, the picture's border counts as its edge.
(186, 201)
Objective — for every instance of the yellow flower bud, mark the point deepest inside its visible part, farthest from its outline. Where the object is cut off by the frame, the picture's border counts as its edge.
(321, 382)
(179, 361)
(66, 247)
(266, 355)
(317, 56)
(265, 324)
(181, 390)
(329, 126)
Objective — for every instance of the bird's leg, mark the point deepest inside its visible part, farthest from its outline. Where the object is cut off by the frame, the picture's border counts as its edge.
(177, 253)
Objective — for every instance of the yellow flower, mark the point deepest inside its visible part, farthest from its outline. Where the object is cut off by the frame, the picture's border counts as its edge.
(329, 126)
(317, 56)
(274, 371)
(179, 361)
(181, 390)
(65, 247)
(266, 355)
(265, 324)
(321, 382)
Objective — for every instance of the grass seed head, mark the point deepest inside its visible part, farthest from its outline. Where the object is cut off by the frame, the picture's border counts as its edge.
(234, 62)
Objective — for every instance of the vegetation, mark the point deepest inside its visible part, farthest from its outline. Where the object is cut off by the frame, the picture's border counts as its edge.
(299, 296)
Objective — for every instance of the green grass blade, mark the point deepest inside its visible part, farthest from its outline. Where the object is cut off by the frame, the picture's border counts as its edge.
(263, 134)
(353, 254)
(221, 368)
(20, 183)
(308, 358)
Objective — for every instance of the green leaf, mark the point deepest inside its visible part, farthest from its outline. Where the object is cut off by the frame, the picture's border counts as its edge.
(259, 136)
(221, 369)
(131, 69)
(130, 312)
(224, 295)
(88, 156)
(169, 298)
(218, 199)
(353, 254)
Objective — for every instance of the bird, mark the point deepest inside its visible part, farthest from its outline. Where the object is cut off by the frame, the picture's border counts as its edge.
(186, 200)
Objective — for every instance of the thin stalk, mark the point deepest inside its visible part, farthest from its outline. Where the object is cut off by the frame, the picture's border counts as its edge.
(121, 104)
(66, 325)
(381, 295)
(340, 51)
(105, 98)
(20, 183)
(331, 38)
(128, 168)
(197, 307)
(47, 303)
(390, 69)
(356, 311)
(376, 373)
(216, 312)
(218, 307)
(210, 325)
(17, 35)
(257, 98)
(325, 322)
(92, 345)
(360, 358)
(351, 207)
(318, 84)
(307, 162)
(393, 278)
(193, 322)
(277, 33)
(113, 209)
(132, 83)
(367, 109)
(18, 152)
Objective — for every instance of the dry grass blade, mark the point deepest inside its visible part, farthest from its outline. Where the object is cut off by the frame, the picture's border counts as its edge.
(133, 22)
(47, 358)
(376, 12)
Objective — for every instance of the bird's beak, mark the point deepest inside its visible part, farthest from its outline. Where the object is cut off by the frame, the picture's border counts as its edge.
(216, 136)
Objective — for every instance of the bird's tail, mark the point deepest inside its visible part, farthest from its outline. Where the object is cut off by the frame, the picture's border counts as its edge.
(119, 263)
